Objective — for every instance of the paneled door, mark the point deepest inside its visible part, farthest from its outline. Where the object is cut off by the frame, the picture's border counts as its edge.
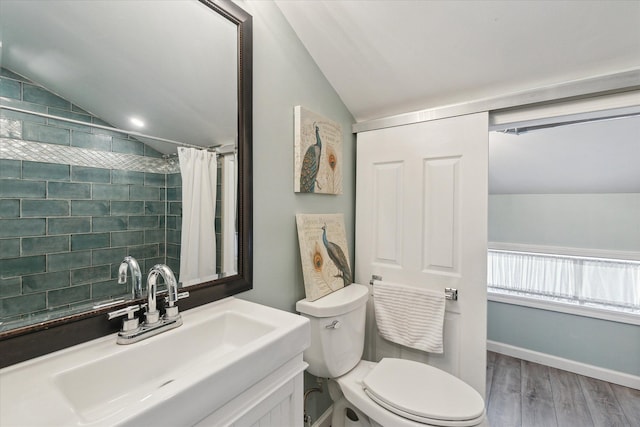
(421, 220)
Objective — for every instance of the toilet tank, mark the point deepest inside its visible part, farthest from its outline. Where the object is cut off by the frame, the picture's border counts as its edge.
(337, 330)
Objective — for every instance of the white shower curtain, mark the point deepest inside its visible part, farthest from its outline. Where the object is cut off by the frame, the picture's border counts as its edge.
(198, 169)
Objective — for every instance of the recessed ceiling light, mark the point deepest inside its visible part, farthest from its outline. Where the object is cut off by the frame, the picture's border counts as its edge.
(137, 122)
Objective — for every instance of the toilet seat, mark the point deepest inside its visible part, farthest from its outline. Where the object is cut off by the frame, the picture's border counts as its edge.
(423, 393)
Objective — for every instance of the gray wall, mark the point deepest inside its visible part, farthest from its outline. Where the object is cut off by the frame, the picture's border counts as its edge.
(285, 76)
(587, 340)
(594, 221)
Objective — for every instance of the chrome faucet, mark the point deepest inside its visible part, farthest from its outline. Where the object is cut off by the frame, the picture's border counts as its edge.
(154, 324)
(153, 315)
(130, 263)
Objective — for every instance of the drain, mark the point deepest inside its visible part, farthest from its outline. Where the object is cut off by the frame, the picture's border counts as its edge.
(165, 383)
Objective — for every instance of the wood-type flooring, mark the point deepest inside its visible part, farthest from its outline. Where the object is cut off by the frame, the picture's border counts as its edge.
(527, 394)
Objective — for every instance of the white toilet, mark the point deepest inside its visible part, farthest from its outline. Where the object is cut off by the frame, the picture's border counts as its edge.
(390, 393)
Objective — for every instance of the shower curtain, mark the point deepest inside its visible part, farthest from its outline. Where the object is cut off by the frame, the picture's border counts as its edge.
(198, 169)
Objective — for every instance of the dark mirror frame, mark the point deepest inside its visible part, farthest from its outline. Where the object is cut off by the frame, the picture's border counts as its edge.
(31, 341)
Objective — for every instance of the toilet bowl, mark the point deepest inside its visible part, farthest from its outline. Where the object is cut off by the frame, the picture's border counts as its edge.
(390, 393)
(457, 410)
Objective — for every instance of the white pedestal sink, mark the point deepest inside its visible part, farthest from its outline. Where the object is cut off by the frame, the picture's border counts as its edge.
(227, 357)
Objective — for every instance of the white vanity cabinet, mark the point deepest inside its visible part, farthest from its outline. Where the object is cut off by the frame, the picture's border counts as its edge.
(275, 401)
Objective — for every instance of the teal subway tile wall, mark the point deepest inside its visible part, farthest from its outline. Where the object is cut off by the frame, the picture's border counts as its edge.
(67, 222)
(171, 214)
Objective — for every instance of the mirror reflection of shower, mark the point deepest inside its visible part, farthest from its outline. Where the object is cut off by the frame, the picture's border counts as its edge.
(98, 203)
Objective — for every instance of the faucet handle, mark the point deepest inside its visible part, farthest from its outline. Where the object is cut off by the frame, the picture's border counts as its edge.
(151, 317)
(171, 311)
(129, 311)
(180, 296)
(131, 322)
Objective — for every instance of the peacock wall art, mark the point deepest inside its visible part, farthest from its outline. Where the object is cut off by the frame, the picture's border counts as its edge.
(324, 253)
(318, 153)
(337, 256)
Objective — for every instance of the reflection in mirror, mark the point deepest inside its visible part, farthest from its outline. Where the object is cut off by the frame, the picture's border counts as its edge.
(84, 185)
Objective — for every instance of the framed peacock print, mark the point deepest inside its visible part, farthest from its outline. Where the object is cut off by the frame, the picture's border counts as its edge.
(318, 153)
(324, 254)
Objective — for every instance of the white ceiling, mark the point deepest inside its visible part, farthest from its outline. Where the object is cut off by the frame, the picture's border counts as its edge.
(392, 57)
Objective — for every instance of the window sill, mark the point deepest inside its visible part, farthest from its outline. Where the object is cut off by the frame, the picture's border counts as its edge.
(631, 317)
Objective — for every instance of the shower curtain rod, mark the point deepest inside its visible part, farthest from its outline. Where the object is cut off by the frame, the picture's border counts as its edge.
(218, 149)
(525, 129)
(79, 122)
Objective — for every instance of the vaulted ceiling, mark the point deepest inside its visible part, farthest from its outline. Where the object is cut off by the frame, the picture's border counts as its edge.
(391, 57)
(121, 59)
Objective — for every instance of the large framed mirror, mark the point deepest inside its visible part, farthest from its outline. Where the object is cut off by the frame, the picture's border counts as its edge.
(83, 186)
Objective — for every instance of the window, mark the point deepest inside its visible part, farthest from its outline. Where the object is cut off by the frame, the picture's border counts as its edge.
(587, 281)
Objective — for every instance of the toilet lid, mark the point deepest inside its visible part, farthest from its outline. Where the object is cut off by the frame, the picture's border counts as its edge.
(423, 393)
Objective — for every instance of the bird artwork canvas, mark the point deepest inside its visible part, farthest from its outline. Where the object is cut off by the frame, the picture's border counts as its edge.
(324, 254)
(318, 153)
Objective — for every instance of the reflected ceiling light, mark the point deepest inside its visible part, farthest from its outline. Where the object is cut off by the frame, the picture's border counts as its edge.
(137, 122)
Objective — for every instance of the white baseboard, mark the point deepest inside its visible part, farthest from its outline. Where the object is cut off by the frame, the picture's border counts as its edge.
(325, 419)
(580, 368)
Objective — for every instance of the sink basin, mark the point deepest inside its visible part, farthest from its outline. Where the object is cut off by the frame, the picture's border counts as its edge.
(221, 349)
(100, 387)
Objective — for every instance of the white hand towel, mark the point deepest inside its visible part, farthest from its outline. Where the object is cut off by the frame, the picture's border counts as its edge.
(410, 316)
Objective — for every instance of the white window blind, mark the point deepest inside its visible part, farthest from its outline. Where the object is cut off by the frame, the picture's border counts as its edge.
(614, 284)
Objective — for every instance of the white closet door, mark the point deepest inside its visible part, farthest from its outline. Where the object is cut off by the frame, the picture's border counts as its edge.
(421, 219)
